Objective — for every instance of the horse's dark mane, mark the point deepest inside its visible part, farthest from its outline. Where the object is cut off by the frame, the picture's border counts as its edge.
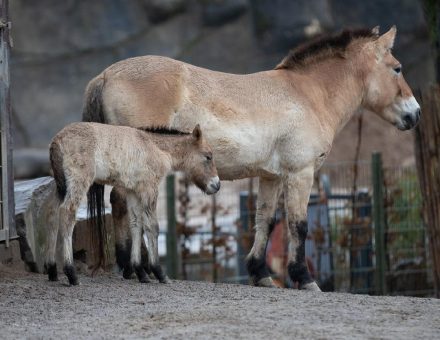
(163, 130)
(324, 46)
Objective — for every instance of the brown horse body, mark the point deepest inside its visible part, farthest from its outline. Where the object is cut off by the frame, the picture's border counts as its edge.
(278, 125)
(134, 159)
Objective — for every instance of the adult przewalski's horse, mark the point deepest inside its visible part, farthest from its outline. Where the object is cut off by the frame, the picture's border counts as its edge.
(278, 125)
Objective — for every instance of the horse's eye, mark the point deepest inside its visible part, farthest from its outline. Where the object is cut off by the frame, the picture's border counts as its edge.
(398, 69)
(209, 158)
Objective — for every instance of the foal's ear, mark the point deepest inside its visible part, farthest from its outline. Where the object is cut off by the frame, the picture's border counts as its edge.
(197, 133)
(386, 40)
(375, 30)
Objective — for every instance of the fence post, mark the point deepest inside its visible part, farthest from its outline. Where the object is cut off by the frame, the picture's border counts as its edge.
(171, 228)
(7, 225)
(378, 218)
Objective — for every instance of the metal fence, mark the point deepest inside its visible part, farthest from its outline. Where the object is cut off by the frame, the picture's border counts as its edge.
(366, 233)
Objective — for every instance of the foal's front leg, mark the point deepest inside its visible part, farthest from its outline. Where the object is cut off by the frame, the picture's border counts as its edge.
(151, 228)
(297, 187)
(136, 220)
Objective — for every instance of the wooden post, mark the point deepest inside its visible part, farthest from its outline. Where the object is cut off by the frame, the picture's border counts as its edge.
(7, 178)
(427, 142)
(171, 229)
(378, 218)
(214, 238)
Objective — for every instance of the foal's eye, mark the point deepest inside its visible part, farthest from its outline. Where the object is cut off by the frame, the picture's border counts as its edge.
(209, 158)
(398, 69)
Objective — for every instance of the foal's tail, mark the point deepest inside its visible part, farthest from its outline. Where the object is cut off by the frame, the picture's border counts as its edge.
(96, 212)
(92, 108)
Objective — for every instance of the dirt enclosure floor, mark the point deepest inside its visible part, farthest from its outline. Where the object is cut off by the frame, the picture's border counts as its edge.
(106, 306)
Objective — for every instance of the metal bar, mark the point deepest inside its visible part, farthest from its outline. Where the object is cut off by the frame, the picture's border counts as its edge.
(7, 189)
(171, 229)
(378, 218)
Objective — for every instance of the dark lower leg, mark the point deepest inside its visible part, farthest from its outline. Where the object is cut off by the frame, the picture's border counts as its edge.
(256, 261)
(70, 272)
(158, 272)
(51, 270)
(140, 273)
(298, 270)
(122, 252)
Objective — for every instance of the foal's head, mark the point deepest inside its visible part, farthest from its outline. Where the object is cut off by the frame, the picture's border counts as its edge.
(387, 92)
(200, 165)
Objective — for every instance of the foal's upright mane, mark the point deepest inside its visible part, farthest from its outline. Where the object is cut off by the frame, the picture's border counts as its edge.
(323, 47)
(163, 130)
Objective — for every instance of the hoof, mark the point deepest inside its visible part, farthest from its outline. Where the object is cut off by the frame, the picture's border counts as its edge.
(74, 283)
(144, 279)
(165, 280)
(265, 282)
(312, 286)
(127, 274)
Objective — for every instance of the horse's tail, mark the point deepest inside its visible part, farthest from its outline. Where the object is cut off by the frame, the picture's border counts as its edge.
(93, 108)
(93, 112)
(96, 218)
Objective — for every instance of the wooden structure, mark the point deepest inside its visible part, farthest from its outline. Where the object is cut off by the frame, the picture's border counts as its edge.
(7, 228)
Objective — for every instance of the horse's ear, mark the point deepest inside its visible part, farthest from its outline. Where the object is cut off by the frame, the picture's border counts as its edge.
(197, 133)
(386, 40)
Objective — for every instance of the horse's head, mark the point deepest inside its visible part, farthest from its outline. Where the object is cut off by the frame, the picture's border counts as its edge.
(200, 165)
(387, 92)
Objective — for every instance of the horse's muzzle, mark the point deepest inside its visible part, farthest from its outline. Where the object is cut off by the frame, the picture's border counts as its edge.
(410, 120)
(213, 185)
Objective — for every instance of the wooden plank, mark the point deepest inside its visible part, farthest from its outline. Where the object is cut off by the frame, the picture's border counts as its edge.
(7, 189)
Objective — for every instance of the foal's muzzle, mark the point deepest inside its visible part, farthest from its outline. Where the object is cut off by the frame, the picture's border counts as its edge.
(213, 185)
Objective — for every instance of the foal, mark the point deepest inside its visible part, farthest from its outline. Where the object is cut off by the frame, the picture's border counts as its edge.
(136, 159)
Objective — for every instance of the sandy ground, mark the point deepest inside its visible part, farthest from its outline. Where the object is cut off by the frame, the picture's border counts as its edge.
(107, 306)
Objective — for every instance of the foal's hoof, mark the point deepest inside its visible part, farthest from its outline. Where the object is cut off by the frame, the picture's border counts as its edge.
(312, 286)
(265, 282)
(127, 273)
(144, 279)
(164, 280)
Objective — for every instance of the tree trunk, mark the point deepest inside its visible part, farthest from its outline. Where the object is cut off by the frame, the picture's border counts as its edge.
(428, 165)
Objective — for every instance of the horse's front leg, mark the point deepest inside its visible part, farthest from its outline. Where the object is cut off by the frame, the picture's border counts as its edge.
(122, 231)
(268, 194)
(297, 188)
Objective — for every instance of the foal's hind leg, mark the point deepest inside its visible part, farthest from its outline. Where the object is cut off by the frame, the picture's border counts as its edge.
(268, 195)
(51, 245)
(67, 223)
(297, 189)
(136, 220)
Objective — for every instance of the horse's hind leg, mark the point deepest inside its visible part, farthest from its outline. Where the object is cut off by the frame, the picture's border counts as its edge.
(268, 194)
(136, 220)
(297, 189)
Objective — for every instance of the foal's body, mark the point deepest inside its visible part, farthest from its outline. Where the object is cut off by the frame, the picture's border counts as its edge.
(86, 153)
(278, 124)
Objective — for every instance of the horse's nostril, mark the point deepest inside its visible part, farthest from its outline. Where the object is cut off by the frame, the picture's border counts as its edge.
(418, 113)
(408, 119)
